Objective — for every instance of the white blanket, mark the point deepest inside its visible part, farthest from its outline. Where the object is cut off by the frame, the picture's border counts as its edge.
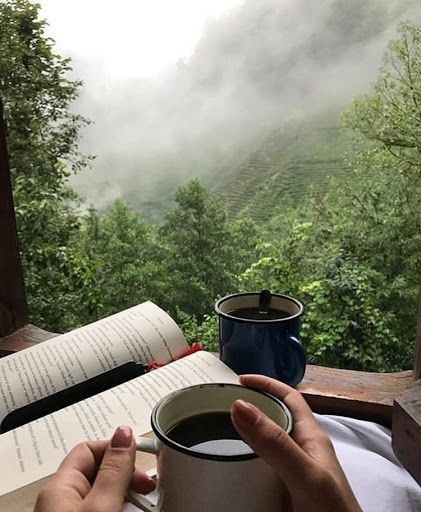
(377, 478)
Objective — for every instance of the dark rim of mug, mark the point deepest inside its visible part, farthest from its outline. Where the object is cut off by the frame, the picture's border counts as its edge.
(251, 321)
(210, 456)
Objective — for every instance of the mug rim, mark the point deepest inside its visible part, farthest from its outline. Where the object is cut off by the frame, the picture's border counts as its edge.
(162, 436)
(227, 316)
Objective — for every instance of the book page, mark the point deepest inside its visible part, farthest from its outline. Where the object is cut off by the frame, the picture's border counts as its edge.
(143, 334)
(35, 450)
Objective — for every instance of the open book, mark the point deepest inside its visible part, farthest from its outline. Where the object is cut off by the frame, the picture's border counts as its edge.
(142, 334)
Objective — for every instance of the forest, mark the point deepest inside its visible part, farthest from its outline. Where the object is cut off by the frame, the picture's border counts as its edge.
(349, 249)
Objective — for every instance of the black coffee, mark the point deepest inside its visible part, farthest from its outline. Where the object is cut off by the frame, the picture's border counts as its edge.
(211, 433)
(253, 314)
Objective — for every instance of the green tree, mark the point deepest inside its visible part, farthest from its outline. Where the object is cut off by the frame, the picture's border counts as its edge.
(200, 250)
(351, 271)
(42, 135)
(119, 244)
(390, 117)
(389, 121)
(354, 257)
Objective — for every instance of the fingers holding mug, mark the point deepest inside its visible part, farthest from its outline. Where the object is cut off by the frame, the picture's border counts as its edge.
(306, 432)
(290, 396)
(271, 442)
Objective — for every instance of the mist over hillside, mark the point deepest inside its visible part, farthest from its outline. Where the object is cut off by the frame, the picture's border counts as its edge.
(254, 69)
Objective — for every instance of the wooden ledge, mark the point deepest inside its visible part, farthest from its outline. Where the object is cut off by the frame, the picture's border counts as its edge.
(362, 395)
(406, 432)
(24, 337)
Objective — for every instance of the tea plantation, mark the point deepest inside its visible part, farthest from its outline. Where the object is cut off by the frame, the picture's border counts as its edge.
(284, 167)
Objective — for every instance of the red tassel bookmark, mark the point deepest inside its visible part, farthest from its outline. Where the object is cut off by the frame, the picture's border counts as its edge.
(196, 347)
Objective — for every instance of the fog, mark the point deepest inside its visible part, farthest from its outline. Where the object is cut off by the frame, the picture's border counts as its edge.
(254, 68)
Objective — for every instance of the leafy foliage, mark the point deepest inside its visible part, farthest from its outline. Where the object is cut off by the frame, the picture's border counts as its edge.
(202, 252)
(354, 256)
(43, 141)
(360, 312)
(204, 331)
(183, 265)
(119, 246)
(391, 116)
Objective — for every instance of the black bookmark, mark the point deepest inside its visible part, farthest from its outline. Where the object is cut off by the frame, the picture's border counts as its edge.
(71, 395)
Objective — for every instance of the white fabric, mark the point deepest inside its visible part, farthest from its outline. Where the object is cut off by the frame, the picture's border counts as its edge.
(377, 478)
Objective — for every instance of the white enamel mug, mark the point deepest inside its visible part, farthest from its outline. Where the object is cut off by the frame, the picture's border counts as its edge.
(193, 481)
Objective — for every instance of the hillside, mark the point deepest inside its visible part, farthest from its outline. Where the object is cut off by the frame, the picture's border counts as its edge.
(253, 67)
(285, 166)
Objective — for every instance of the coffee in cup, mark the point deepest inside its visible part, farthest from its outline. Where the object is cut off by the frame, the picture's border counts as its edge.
(212, 433)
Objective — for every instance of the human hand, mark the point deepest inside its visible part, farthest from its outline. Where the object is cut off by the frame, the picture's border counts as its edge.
(95, 476)
(305, 461)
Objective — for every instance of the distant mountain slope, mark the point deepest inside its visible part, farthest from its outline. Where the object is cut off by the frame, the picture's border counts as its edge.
(284, 167)
(257, 65)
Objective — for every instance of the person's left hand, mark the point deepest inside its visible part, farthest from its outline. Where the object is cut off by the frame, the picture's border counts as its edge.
(95, 476)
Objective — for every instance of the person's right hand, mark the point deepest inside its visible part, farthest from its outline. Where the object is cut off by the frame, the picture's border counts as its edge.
(305, 461)
(95, 476)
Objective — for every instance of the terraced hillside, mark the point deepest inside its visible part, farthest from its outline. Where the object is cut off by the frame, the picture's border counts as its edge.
(284, 167)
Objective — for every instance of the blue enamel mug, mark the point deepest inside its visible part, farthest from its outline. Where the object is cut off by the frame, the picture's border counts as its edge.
(259, 333)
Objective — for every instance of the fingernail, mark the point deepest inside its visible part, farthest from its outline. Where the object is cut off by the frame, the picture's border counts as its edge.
(245, 413)
(122, 437)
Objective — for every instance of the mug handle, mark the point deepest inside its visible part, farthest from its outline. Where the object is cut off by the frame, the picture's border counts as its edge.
(300, 359)
(152, 446)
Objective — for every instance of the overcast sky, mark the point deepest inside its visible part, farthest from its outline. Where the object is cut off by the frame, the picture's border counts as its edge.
(123, 52)
(129, 38)
(249, 66)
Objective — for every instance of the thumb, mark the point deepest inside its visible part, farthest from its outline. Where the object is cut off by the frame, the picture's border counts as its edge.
(114, 474)
(271, 443)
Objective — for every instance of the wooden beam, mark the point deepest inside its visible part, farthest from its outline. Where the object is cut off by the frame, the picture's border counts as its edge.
(25, 337)
(13, 307)
(363, 395)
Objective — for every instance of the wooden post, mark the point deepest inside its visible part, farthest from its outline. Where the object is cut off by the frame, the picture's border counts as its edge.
(406, 422)
(13, 307)
(417, 361)
(406, 429)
